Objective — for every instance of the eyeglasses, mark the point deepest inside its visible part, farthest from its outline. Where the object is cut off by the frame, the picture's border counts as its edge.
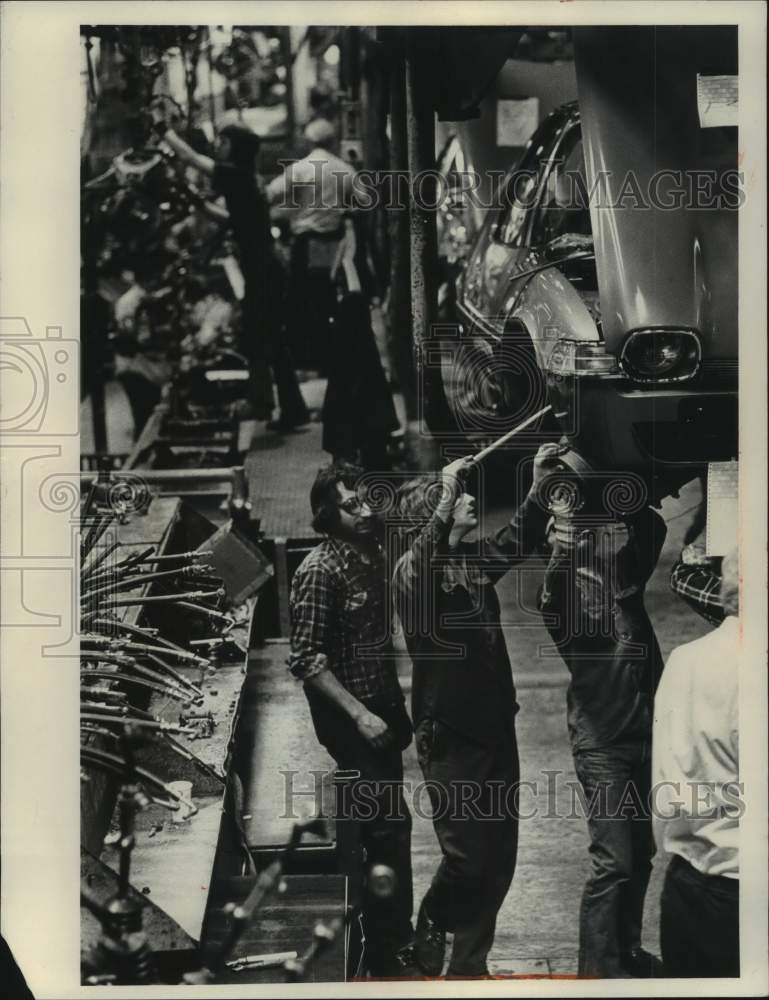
(352, 505)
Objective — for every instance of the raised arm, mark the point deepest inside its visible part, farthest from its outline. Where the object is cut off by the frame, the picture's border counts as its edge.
(185, 152)
(638, 559)
(414, 569)
(182, 149)
(513, 543)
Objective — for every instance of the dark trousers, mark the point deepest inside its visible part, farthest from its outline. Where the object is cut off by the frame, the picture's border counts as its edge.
(269, 357)
(616, 781)
(473, 790)
(379, 806)
(699, 923)
(311, 307)
(143, 397)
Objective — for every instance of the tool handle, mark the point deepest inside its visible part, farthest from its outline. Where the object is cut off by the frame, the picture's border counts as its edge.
(510, 434)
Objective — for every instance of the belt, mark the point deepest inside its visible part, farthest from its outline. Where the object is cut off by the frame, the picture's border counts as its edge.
(331, 237)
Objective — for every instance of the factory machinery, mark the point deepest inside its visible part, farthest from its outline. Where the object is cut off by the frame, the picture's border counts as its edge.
(177, 884)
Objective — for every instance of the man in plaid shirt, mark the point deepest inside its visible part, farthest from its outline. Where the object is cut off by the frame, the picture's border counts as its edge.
(340, 650)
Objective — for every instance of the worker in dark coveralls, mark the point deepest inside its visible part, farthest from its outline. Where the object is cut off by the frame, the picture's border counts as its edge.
(592, 600)
(463, 705)
(339, 646)
(233, 175)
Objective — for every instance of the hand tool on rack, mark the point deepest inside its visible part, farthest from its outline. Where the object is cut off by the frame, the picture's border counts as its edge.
(119, 706)
(107, 551)
(134, 582)
(131, 560)
(123, 678)
(112, 644)
(323, 936)
(160, 726)
(143, 567)
(131, 602)
(196, 555)
(97, 525)
(116, 764)
(228, 620)
(142, 632)
(267, 961)
(180, 678)
(168, 676)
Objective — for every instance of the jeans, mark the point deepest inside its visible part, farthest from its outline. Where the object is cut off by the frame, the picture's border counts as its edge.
(616, 781)
(473, 790)
(699, 923)
(384, 826)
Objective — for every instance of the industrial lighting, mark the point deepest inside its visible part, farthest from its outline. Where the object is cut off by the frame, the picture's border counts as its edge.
(661, 355)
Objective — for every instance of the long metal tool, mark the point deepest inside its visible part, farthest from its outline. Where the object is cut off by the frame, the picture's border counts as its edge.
(510, 434)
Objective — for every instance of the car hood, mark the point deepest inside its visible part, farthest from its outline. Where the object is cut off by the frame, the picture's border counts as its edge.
(664, 190)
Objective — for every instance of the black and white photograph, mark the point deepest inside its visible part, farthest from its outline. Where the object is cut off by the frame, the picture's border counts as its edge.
(383, 440)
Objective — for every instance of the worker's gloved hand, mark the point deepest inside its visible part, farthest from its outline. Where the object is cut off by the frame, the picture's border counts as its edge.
(453, 478)
(546, 462)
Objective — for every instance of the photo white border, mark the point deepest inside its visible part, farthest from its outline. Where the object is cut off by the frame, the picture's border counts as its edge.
(39, 265)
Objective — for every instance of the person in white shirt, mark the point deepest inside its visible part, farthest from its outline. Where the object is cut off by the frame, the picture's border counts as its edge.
(315, 192)
(313, 195)
(695, 760)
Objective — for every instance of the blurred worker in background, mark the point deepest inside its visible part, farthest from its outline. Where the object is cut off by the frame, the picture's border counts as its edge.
(141, 365)
(358, 410)
(592, 601)
(313, 194)
(463, 704)
(233, 174)
(698, 805)
(340, 650)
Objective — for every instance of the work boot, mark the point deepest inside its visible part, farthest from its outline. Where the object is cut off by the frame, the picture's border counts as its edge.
(429, 944)
(642, 964)
(400, 965)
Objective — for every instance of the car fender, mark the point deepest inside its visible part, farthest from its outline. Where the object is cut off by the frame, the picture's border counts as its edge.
(551, 309)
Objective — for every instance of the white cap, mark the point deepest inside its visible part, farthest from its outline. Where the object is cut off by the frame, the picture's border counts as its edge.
(320, 131)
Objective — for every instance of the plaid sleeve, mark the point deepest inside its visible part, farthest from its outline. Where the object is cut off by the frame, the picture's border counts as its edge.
(699, 586)
(312, 621)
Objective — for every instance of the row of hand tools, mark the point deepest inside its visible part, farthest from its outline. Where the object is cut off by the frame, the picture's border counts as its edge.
(128, 664)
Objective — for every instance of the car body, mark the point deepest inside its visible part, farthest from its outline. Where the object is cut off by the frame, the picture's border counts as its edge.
(458, 218)
(623, 318)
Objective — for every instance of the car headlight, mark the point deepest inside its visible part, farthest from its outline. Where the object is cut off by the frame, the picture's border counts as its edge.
(661, 355)
(581, 358)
